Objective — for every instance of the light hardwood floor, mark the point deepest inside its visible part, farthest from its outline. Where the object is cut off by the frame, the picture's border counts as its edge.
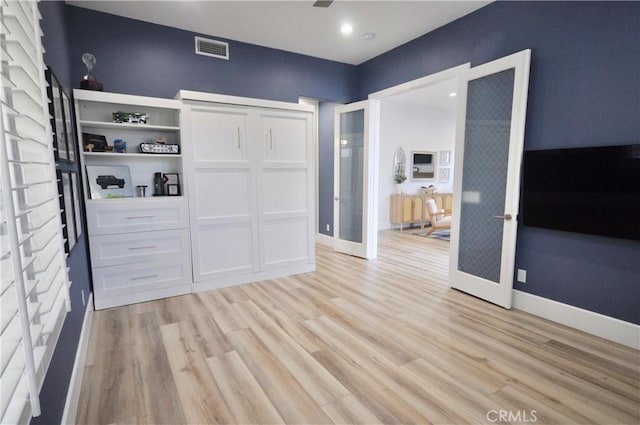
(381, 341)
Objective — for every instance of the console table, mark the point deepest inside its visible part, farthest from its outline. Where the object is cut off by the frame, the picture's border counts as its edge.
(410, 209)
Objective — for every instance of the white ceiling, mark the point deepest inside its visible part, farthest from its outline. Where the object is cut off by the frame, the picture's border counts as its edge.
(297, 26)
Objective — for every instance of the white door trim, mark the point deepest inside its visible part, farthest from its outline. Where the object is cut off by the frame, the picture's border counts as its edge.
(421, 82)
(314, 161)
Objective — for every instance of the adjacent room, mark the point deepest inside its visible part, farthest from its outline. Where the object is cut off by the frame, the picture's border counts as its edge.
(320, 212)
(422, 123)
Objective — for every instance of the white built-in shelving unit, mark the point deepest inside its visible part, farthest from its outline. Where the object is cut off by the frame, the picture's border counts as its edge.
(139, 245)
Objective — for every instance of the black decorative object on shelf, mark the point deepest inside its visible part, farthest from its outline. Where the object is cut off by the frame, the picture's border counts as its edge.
(158, 184)
(94, 142)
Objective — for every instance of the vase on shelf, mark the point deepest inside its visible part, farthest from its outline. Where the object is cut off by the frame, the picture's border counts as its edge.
(400, 188)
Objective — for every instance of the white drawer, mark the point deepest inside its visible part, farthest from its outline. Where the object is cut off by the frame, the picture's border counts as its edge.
(107, 217)
(129, 248)
(129, 279)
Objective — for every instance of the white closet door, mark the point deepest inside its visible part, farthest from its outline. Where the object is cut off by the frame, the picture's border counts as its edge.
(285, 189)
(222, 184)
(220, 132)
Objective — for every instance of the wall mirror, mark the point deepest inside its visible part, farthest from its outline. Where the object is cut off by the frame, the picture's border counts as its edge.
(423, 165)
(399, 162)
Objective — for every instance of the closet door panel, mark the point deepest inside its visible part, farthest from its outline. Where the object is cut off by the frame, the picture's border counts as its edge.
(219, 134)
(223, 249)
(222, 192)
(285, 136)
(222, 186)
(285, 242)
(284, 190)
(251, 192)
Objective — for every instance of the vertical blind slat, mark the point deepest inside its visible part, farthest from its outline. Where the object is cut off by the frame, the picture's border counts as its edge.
(34, 293)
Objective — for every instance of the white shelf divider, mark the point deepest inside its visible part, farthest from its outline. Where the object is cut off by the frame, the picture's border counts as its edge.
(143, 127)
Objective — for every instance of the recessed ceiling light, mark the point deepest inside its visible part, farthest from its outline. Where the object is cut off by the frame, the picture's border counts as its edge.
(346, 28)
(369, 35)
(453, 94)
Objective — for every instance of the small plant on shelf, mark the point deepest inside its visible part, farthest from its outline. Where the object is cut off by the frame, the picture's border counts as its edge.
(399, 178)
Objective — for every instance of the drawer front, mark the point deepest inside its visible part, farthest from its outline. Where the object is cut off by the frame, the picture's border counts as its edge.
(128, 279)
(125, 216)
(129, 248)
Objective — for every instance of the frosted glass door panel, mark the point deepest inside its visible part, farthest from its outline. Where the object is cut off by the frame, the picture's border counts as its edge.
(486, 155)
(351, 175)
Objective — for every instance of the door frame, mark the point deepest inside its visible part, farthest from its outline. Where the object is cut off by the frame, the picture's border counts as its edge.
(375, 100)
(498, 293)
(372, 155)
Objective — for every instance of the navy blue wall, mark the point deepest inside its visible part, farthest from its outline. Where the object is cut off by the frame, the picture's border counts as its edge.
(56, 384)
(584, 90)
(146, 59)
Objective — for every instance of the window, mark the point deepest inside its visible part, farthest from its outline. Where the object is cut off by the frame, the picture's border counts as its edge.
(34, 281)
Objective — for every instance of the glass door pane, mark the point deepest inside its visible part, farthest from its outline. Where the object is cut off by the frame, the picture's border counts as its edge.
(486, 155)
(351, 185)
(354, 215)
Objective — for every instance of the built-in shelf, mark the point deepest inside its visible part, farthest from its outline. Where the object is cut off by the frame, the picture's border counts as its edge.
(133, 198)
(138, 245)
(148, 127)
(131, 155)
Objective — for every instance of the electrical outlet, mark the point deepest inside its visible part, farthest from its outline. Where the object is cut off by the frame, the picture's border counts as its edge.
(522, 276)
(328, 227)
(83, 300)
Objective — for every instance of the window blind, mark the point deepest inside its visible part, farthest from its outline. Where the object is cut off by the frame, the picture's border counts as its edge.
(34, 278)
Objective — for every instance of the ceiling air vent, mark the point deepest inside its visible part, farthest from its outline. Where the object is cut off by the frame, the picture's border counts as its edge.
(213, 48)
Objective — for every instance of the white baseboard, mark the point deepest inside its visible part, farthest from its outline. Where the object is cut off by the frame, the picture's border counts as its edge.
(606, 327)
(75, 384)
(324, 239)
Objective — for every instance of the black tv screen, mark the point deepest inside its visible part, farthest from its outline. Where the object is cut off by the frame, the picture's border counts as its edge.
(592, 190)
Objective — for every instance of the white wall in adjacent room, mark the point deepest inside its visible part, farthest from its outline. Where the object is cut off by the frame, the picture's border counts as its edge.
(413, 127)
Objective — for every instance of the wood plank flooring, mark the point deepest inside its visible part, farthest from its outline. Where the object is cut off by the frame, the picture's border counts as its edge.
(357, 341)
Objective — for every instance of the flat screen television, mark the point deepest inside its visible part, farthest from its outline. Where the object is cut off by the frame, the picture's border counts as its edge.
(593, 190)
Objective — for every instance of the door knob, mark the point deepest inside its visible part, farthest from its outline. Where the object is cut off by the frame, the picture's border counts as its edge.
(335, 198)
(506, 217)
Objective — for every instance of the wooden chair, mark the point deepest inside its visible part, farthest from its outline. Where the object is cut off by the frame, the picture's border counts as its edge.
(439, 220)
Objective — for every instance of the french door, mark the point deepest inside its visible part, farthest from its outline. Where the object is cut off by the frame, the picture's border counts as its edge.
(489, 145)
(355, 194)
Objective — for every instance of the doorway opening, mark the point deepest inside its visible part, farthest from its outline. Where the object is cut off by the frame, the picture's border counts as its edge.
(422, 122)
(420, 117)
(489, 137)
